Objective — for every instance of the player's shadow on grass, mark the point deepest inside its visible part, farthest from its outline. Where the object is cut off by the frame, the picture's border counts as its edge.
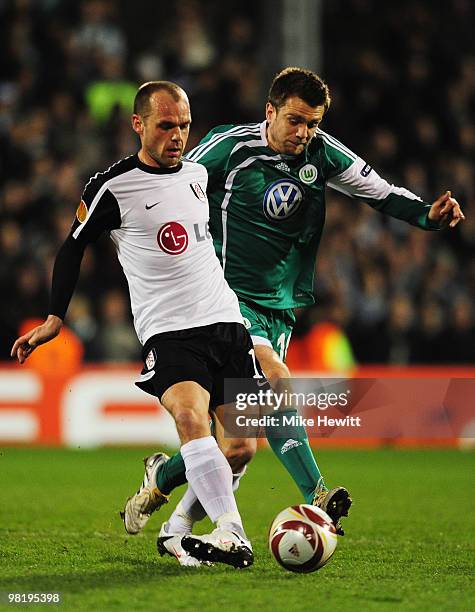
(166, 566)
(133, 572)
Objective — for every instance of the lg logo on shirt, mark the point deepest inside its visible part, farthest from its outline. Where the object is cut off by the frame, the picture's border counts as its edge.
(172, 237)
(282, 199)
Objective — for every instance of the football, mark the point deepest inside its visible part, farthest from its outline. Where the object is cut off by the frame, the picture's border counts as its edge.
(302, 538)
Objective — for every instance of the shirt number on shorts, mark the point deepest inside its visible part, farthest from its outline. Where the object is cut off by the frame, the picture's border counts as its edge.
(256, 371)
(283, 345)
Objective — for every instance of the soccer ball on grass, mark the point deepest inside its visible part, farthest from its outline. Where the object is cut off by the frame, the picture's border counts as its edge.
(302, 538)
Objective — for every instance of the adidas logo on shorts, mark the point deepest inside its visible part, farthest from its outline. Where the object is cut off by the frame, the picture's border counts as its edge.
(289, 444)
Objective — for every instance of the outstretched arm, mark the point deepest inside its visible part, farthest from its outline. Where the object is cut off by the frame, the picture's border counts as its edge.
(359, 180)
(97, 212)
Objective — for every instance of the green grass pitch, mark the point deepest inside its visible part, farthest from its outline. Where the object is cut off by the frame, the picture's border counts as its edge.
(409, 543)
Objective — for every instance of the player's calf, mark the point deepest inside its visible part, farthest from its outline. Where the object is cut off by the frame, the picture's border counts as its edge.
(240, 453)
(188, 403)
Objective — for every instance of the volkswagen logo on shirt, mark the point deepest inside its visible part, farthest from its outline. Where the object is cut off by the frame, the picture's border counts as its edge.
(172, 238)
(282, 199)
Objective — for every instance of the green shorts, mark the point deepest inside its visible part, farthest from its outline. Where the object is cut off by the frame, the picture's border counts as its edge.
(268, 327)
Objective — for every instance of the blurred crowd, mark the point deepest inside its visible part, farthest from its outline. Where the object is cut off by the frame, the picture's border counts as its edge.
(402, 77)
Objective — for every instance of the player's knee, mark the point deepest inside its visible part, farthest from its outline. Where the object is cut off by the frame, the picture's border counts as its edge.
(274, 368)
(191, 420)
(239, 456)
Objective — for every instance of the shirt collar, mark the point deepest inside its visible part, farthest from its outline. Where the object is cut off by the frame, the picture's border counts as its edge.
(156, 169)
(263, 131)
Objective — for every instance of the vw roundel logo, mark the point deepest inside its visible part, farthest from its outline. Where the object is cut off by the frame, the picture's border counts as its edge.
(282, 199)
(172, 238)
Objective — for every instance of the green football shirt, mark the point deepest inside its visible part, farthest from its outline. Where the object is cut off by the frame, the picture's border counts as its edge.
(267, 210)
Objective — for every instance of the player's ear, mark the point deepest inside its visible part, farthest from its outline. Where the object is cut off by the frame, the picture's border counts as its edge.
(137, 124)
(271, 111)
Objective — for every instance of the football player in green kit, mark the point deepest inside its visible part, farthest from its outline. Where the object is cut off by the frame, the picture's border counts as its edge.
(266, 194)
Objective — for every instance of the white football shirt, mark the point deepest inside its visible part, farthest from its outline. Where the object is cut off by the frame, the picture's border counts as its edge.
(158, 221)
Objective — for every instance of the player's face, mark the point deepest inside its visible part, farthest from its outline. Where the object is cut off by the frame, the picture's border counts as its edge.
(163, 130)
(292, 126)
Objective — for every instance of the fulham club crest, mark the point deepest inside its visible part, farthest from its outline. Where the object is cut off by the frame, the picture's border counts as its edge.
(198, 191)
(151, 359)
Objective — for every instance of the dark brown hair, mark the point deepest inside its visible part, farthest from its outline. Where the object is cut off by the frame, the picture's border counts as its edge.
(302, 83)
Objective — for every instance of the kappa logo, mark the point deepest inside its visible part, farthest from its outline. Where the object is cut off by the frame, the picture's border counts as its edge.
(198, 190)
(282, 199)
(288, 445)
(172, 238)
(308, 174)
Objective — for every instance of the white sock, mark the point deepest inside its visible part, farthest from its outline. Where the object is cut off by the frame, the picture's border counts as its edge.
(237, 478)
(189, 509)
(180, 521)
(209, 476)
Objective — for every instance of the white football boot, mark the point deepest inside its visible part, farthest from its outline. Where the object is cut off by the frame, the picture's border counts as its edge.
(336, 503)
(140, 507)
(220, 546)
(170, 544)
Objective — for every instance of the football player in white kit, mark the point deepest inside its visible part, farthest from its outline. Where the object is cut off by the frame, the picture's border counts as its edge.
(186, 317)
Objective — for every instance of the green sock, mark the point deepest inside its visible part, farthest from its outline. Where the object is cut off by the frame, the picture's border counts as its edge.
(295, 454)
(171, 474)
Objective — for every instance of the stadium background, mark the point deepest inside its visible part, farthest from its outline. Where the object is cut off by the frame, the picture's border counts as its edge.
(389, 297)
(403, 98)
(387, 294)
